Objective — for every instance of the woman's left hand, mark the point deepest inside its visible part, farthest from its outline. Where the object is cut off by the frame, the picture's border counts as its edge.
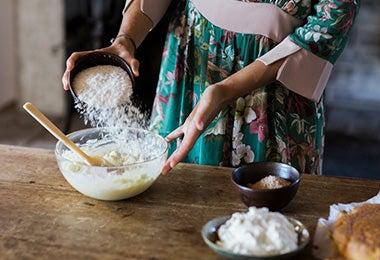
(210, 104)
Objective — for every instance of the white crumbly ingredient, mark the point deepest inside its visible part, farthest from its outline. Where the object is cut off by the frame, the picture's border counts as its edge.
(270, 182)
(117, 158)
(114, 151)
(106, 91)
(103, 86)
(258, 232)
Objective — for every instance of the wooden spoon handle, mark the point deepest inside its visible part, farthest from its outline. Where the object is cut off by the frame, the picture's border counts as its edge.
(45, 122)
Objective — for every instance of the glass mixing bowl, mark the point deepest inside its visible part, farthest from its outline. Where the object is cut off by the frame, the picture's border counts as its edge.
(138, 156)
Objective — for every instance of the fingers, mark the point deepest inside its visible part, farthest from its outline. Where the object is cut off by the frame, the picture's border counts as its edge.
(166, 168)
(128, 55)
(190, 137)
(181, 152)
(70, 62)
(170, 137)
(178, 132)
(65, 80)
(195, 124)
(135, 64)
(210, 104)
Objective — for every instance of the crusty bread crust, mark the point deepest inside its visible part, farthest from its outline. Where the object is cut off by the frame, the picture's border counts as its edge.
(357, 234)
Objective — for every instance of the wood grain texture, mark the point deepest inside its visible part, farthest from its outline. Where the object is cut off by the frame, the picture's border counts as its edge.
(42, 216)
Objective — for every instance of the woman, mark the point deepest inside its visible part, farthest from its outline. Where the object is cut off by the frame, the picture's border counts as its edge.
(240, 81)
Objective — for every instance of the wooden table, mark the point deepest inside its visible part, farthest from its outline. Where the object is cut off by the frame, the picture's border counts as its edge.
(42, 216)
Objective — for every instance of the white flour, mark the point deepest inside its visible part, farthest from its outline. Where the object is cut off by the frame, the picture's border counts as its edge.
(106, 91)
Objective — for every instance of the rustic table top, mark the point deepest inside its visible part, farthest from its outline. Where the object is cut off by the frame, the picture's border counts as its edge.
(41, 215)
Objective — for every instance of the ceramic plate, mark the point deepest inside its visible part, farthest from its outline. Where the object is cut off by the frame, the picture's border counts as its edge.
(210, 236)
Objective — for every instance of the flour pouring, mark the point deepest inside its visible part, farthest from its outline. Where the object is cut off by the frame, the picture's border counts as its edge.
(102, 86)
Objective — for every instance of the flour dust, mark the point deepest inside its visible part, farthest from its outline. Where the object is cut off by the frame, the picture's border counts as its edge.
(105, 93)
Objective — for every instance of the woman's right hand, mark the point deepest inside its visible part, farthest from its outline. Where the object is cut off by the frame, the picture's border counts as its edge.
(121, 47)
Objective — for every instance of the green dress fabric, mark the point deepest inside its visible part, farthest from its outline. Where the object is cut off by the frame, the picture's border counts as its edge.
(271, 123)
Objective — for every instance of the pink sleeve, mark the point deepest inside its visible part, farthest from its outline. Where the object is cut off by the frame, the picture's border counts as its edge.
(154, 9)
(302, 71)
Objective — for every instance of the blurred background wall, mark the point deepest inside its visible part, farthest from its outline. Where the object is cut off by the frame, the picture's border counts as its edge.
(7, 53)
(353, 92)
(32, 42)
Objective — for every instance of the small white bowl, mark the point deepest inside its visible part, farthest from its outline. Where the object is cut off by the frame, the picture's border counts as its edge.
(115, 182)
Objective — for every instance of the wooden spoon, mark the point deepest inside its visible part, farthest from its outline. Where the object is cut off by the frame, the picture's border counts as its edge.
(45, 122)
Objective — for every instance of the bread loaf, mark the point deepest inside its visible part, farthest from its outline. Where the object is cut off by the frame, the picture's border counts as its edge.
(357, 234)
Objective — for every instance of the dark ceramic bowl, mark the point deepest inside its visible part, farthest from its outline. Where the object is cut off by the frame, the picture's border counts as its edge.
(95, 59)
(273, 199)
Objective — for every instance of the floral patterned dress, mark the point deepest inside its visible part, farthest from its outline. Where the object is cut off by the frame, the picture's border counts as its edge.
(270, 124)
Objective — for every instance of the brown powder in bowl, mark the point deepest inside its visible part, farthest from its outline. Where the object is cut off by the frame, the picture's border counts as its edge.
(269, 182)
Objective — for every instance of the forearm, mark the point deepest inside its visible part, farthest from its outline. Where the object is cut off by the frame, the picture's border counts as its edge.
(253, 76)
(134, 23)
